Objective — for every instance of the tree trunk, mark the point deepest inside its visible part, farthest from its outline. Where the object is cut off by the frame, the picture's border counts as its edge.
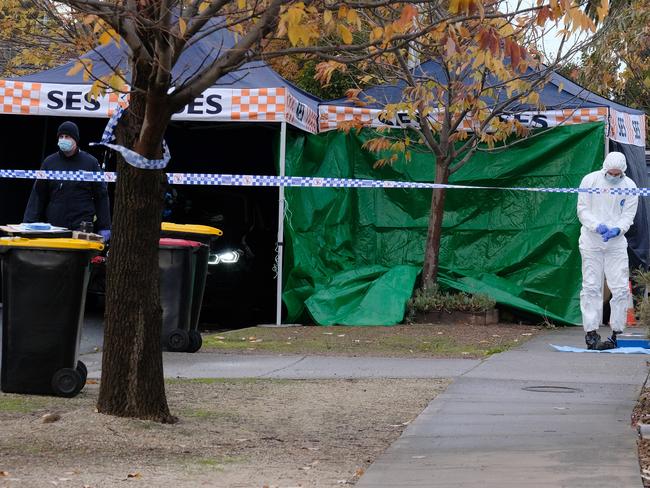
(432, 249)
(132, 383)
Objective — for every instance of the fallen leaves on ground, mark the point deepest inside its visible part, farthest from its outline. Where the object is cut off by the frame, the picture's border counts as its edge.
(49, 418)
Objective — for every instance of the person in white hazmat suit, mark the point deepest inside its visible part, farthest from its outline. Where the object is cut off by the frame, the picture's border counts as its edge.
(605, 219)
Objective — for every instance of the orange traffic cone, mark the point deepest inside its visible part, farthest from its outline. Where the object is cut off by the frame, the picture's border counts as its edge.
(631, 317)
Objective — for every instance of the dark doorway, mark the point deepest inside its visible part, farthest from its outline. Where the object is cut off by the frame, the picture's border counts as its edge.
(242, 292)
(238, 293)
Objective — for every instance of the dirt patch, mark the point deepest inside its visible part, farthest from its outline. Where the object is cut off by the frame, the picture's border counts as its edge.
(431, 340)
(232, 433)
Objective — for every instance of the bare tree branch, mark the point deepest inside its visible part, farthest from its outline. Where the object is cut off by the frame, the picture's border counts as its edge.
(234, 57)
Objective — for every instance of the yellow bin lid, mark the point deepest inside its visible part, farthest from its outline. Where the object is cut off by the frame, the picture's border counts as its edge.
(55, 243)
(191, 229)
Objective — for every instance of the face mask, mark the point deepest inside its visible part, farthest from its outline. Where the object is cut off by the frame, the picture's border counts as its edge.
(66, 145)
(613, 180)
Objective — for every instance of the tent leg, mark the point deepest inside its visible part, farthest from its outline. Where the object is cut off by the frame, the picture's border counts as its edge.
(278, 303)
(607, 122)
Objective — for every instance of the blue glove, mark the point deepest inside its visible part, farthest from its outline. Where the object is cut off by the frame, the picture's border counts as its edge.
(106, 234)
(611, 233)
(602, 229)
(38, 226)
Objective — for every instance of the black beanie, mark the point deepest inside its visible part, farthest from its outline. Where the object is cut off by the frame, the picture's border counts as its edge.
(70, 129)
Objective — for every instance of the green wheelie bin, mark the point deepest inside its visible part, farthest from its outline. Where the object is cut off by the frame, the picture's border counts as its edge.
(43, 294)
(177, 264)
(205, 235)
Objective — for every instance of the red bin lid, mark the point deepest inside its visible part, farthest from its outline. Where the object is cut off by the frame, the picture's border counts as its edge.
(167, 241)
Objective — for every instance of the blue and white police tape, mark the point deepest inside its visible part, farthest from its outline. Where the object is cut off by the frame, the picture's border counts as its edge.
(39, 174)
(130, 156)
(210, 179)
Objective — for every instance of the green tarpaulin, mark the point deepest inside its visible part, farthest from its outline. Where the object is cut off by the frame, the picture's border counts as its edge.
(353, 255)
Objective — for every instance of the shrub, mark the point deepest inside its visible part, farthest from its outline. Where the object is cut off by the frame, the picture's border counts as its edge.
(642, 278)
(435, 300)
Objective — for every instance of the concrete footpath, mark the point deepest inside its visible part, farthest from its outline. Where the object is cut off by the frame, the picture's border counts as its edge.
(530, 417)
(228, 365)
(220, 365)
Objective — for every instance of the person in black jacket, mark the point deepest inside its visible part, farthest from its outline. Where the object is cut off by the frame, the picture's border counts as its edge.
(69, 203)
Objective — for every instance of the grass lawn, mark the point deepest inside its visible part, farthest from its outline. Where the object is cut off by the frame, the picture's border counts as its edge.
(436, 340)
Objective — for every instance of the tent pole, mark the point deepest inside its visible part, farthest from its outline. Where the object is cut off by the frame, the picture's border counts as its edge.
(607, 133)
(283, 147)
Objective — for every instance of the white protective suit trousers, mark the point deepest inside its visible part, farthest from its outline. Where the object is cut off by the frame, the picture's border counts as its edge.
(611, 264)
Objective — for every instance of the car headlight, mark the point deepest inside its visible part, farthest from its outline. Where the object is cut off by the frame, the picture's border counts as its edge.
(228, 257)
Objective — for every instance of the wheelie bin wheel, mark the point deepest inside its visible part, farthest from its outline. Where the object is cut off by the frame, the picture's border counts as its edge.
(67, 382)
(83, 371)
(196, 341)
(178, 340)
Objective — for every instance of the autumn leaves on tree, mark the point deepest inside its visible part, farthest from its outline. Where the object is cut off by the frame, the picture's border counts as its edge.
(480, 61)
(488, 60)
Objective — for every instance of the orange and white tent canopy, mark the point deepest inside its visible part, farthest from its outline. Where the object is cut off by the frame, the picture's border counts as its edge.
(275, 104)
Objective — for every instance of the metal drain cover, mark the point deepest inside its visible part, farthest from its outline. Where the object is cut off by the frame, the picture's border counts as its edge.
(552, 389)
